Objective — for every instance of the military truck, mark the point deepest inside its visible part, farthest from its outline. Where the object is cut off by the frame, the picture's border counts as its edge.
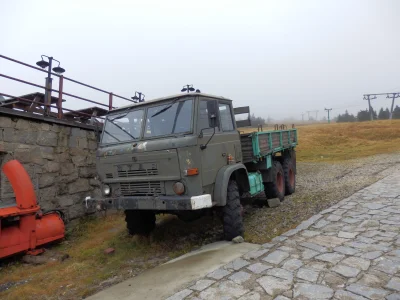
(185, 155)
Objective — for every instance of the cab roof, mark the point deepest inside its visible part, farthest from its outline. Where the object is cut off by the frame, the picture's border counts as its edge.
(153, 101)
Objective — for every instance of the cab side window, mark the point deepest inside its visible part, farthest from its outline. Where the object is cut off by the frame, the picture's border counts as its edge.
(226, 117)
(204, 118)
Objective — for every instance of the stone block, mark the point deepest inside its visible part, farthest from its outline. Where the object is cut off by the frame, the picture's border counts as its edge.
(75, 211)
(52, 166)
(62, 188)
(23, 156)
(67, 168)
(94, 182)
(370, 293)
(273, 285)
(65, 201)
(312, 291)
(72, 142)
(77, 132)
(202, 284)
(46, 152)
(25, 137)
(47, 179)
(8, 134)
(45, 127)
(79, 161)
(55, 127)
(87, 172)
(80, 185)
(76, 151)
(276, 257)
(82, 143)
(47, 194)
(47, 138)
(63, 157)
(63, 141)
(6, 122)
(92, 145)
(69, 178)
(218, 274)
(91, 135)
(65, 130)
(23, 124)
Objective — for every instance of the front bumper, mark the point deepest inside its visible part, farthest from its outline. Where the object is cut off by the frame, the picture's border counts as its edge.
(151, 203)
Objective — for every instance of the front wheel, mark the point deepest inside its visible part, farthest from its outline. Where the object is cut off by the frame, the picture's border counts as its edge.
(140, 222)
(232, 213)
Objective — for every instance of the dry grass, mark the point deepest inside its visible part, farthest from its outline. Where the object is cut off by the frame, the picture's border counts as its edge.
(343, 141)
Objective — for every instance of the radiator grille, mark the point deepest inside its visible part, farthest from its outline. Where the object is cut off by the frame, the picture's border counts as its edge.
(143, 172)
(147, 188)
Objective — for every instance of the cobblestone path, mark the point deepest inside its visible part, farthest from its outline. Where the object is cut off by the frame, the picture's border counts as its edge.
(349, 251)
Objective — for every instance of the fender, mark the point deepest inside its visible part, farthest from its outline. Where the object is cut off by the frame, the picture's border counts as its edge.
(222, 180)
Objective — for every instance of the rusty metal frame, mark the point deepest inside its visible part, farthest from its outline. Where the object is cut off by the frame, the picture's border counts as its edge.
(60, 92)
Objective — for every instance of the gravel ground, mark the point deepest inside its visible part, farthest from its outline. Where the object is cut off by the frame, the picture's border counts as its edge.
(319, 185)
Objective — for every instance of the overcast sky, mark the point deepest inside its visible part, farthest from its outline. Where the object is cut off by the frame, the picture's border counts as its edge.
(280, 57)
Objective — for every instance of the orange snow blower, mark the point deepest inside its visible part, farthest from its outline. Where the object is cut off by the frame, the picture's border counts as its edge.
(22, 228)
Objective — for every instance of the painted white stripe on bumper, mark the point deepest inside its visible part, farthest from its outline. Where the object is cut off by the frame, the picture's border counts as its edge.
(202, 201)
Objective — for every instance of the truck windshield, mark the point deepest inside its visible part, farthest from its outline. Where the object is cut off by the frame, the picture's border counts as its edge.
(123, 127)
(171, 118)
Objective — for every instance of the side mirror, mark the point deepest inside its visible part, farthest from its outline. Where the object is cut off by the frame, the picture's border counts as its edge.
(212, 114)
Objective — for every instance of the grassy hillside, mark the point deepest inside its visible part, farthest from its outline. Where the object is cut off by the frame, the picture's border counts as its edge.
(343, 141)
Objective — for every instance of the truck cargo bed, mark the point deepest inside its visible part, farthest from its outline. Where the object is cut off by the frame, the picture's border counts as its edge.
(256, 145)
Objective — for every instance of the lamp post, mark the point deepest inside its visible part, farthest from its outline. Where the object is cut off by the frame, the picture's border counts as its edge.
(139, 97)
(44, 64)
(188, 88)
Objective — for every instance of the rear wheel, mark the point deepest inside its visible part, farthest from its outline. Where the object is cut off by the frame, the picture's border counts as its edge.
(276, 188)
(140, 222)
(232, 213)
(290, 176)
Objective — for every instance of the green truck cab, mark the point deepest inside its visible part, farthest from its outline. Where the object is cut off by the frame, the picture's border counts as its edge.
(184, 155)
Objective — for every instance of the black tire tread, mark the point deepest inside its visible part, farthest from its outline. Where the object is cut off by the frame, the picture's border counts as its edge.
(140, 222)
(287, 165)
(232, 213)
(271, 188)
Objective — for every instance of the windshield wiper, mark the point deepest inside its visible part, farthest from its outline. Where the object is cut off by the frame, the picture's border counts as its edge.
(105, 131)
(122, 129)
(165, 108)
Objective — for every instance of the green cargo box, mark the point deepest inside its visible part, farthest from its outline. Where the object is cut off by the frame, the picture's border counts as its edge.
(256, 145)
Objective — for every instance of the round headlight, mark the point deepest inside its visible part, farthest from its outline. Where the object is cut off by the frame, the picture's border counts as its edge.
(179, 188)
(106, 190)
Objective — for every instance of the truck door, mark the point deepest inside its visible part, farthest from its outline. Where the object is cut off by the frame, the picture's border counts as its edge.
(221, 145)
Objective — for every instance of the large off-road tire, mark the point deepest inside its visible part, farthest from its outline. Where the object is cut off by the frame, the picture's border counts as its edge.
(232, 218)
(290, 176)
(140, 222)
(276, 188)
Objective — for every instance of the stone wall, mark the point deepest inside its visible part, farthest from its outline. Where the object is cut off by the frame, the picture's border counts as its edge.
(60, 160)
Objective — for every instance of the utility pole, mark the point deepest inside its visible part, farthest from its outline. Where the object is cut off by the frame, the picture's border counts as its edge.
(313, 111)
(368, 97)
(302, 117)
(308, 115)
(328, 110)
(394, 96)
